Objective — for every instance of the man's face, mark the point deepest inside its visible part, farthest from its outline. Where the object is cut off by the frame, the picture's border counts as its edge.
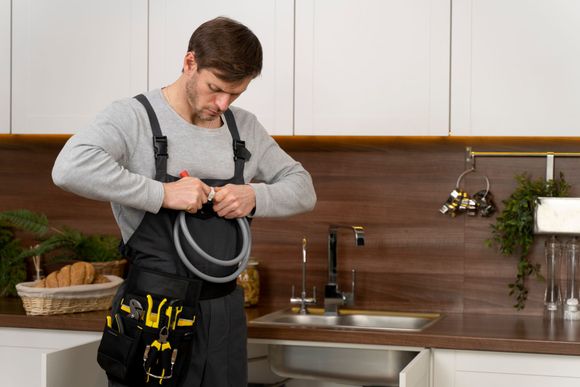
(209, 96)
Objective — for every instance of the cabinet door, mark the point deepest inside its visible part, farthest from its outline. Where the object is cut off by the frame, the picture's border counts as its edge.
(5, 9)
(417, 372)
(269, 96)
(49, 358)
(515, 68)
(372, 67)
(73, 367)
(500, 369)
(71, 58)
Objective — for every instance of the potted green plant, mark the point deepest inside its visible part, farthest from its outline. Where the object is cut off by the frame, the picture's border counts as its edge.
(102, 251)
(66, 243)
(513, 231)
(12, 261)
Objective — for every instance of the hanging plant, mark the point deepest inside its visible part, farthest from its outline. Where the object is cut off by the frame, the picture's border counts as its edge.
(513, 231)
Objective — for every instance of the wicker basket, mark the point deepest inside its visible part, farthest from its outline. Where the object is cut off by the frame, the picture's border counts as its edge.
(111, 268)
(70, 299)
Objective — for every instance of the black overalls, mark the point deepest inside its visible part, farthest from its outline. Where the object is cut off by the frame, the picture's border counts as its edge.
(216, 343)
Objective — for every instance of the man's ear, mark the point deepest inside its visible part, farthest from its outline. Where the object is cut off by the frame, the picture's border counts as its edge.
(189, 63)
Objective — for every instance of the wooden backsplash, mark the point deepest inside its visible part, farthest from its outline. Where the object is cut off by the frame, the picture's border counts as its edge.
(414, 257)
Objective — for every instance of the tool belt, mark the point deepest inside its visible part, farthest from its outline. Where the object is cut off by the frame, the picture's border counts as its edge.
(147, 338)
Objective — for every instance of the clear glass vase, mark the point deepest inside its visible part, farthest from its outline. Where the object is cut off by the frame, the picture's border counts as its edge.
(572, 255)
(553, 296)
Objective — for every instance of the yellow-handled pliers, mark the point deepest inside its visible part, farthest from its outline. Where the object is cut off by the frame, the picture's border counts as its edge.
(159, 356)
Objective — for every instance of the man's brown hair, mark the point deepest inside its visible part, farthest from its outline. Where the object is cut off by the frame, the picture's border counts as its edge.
(227, 46)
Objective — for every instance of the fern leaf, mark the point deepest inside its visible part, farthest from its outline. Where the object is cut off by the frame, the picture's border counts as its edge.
(52, 243)
(26, 220)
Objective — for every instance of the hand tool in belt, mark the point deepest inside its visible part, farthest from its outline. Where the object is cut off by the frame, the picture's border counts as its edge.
(172, 312)
(134, 309)
(153, 354)
(149, 320)
(118, 322)
(159, 355)
(173, 323)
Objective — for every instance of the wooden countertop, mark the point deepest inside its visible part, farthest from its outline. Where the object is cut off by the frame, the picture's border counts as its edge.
(513, 333)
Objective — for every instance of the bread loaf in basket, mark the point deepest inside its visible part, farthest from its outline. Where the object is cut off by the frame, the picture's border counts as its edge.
(68, 299)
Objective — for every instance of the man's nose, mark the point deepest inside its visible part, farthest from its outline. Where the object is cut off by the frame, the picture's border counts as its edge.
(223, 101)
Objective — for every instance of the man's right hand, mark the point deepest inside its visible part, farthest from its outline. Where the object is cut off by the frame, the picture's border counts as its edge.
(187, 193)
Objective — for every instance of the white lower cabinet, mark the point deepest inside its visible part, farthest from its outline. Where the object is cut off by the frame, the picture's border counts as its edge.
(55, 358)
(316, 364)
(49, 358)
(453, 368)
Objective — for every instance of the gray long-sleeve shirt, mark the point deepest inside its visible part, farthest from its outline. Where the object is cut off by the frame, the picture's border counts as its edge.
(112, 160)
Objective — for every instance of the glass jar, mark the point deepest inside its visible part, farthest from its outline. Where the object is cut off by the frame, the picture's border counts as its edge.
(249, 280)
(553, 295)
(572, 256)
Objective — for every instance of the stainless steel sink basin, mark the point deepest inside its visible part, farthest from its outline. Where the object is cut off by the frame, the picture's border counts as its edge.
(353, 366)
(352, 319)
(346, 364)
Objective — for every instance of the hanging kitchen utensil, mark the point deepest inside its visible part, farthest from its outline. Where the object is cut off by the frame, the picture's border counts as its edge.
(460, 202)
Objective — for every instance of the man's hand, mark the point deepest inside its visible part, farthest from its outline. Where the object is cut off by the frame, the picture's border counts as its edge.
(234, 201)
(187, 193)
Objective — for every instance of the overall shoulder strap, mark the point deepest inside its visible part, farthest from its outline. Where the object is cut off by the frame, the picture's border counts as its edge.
(241, 153)
(159, 140)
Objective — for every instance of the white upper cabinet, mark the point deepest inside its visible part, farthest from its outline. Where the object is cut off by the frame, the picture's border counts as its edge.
(515, 68)
(331, 67)
(72, 58)
(372, 67)
(269, 96)
(5, 66)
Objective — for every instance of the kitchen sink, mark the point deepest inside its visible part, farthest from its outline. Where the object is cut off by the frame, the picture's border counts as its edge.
(351, 319)
(349, 363)
(369, 366)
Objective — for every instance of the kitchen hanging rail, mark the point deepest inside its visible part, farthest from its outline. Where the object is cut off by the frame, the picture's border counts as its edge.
(471, 155)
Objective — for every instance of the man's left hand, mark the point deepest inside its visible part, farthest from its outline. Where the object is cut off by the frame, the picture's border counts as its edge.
(234, 201)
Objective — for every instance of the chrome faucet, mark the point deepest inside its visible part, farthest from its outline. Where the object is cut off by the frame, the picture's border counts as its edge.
(303, 301)
(333, 298)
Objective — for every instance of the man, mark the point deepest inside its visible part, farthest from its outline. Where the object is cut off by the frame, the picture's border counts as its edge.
(132, 155)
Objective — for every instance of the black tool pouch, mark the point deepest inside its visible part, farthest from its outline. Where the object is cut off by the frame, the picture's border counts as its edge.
(139, 353)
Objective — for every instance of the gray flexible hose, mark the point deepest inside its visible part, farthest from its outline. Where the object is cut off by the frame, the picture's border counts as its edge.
(242, 258)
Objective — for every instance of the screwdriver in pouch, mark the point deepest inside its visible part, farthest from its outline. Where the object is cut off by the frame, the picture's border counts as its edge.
(119, 323)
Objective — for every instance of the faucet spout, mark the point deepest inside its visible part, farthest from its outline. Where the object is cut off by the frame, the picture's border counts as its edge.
(332, 296)
(359, 235)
